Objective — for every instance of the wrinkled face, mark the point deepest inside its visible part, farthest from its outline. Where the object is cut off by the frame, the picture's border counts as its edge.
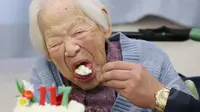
(75, 44)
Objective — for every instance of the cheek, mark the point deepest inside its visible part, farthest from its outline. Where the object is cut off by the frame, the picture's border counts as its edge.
(93, 40)
(95, 45)
(58, 59)
(57, 52)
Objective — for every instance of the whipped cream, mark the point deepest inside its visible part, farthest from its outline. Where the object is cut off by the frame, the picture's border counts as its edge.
(83, 70)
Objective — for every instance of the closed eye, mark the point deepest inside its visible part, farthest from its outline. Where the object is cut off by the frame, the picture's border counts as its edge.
(79, 32)
(55, 45)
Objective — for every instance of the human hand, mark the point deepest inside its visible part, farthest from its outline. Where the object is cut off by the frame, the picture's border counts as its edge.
(132, 81)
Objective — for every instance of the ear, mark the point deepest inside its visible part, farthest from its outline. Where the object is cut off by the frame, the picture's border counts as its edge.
(107, 32)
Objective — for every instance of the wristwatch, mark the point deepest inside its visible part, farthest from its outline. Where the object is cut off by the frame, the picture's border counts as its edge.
(161, 97)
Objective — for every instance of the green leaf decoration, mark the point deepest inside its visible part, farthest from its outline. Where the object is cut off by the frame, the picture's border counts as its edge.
(17, 96)
(33, 100)
(20, 88)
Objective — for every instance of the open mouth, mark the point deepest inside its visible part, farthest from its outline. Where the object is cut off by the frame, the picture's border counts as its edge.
(83, 71)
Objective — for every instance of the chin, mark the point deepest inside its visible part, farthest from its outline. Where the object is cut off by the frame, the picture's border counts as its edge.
(89, 86)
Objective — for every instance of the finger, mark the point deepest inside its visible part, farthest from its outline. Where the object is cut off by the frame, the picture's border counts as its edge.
(119, 65)
(120, 91)
(115, 75)
(115, 84)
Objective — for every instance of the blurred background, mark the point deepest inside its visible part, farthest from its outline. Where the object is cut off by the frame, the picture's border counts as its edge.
(17, 54)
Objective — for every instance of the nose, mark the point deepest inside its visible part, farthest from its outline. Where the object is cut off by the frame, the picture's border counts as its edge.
(71, 49)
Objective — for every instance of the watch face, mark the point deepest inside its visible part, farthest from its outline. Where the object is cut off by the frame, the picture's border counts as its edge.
(163, 96)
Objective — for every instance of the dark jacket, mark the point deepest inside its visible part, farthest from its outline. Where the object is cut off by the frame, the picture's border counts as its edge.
(181, 102)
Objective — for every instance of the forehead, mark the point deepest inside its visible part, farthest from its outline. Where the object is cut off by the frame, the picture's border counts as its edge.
(56, 11)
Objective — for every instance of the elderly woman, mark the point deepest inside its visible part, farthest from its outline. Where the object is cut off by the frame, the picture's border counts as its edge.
(75, 38)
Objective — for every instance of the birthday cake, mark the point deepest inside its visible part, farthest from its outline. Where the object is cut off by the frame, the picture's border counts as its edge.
(27, 102)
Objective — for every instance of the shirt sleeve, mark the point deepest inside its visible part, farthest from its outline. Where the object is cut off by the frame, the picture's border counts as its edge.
(159, 65)
(180, 96)
(170, 78)
(181, 102)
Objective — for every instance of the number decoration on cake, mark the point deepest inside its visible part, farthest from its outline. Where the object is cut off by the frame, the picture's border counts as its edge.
(27, 94)
(26, 101)
(66, 91)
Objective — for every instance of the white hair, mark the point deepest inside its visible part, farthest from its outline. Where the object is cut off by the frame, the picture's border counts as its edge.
(92, 8)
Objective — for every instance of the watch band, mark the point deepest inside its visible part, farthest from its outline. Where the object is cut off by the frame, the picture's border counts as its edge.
(161, 99)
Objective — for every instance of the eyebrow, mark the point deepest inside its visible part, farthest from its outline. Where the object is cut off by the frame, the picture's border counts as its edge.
(55, 32)
(75, 23)
(72, 25)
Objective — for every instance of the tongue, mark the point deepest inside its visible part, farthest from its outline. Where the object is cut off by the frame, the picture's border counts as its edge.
(89, 65)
